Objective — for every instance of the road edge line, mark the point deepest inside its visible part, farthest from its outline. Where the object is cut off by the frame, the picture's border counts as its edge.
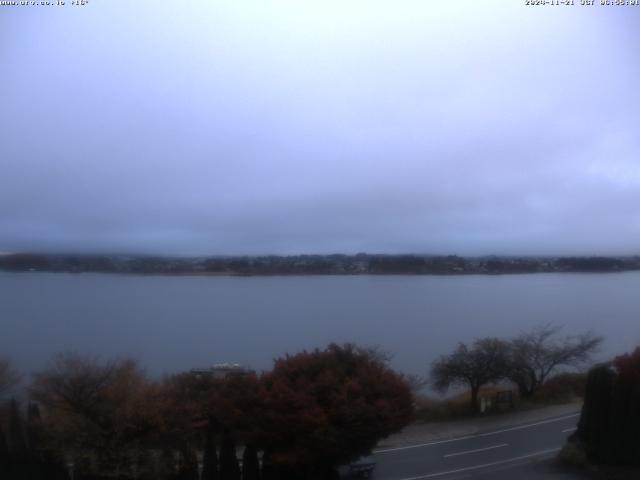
(485, 465)
(477, 435)
(457, 454)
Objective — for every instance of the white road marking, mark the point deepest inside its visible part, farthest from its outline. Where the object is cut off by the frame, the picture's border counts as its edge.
(485, 465)
(457, 454)
(569, 429)
(479, 435)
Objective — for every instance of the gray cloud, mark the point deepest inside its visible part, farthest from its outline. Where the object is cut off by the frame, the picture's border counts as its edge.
(283, 127)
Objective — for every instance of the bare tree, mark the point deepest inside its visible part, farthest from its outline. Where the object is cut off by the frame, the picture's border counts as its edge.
(75, 384)
(9, 378)
(378, 353)
(417, 383)
(95, 410)
(483, 363)
(536, 354)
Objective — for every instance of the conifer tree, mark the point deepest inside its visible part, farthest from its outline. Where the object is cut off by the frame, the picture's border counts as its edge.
(229, 468)
(210, 458)
(17, 444)
(188, 464)
(610, 422)
(18, 452)
(4, 456)
(250, 464)
(34, 433)
(166, 465)
(267, 472)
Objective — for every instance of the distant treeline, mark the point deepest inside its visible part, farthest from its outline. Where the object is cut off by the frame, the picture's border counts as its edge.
(336, 264)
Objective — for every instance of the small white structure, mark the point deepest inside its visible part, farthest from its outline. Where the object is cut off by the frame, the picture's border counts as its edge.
(221, 370)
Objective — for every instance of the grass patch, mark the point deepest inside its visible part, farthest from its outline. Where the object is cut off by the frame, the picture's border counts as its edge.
(573, 455)
(562, 388)
(430, 409)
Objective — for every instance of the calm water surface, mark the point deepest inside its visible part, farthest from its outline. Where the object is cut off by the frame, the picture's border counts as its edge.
(175, 323)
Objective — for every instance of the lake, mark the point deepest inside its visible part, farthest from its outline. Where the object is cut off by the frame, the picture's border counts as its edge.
(173, 323)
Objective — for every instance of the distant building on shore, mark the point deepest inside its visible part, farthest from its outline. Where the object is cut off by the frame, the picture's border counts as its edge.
(221, 370)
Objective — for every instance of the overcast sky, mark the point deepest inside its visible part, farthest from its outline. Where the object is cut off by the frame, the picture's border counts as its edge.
(226, 127)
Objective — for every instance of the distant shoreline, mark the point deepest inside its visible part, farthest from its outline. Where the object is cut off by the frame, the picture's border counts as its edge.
(314, 265)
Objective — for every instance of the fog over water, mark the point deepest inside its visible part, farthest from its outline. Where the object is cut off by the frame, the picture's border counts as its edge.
(176, 323)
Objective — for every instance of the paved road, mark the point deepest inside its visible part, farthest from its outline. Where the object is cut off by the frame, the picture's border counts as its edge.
(523, 452)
